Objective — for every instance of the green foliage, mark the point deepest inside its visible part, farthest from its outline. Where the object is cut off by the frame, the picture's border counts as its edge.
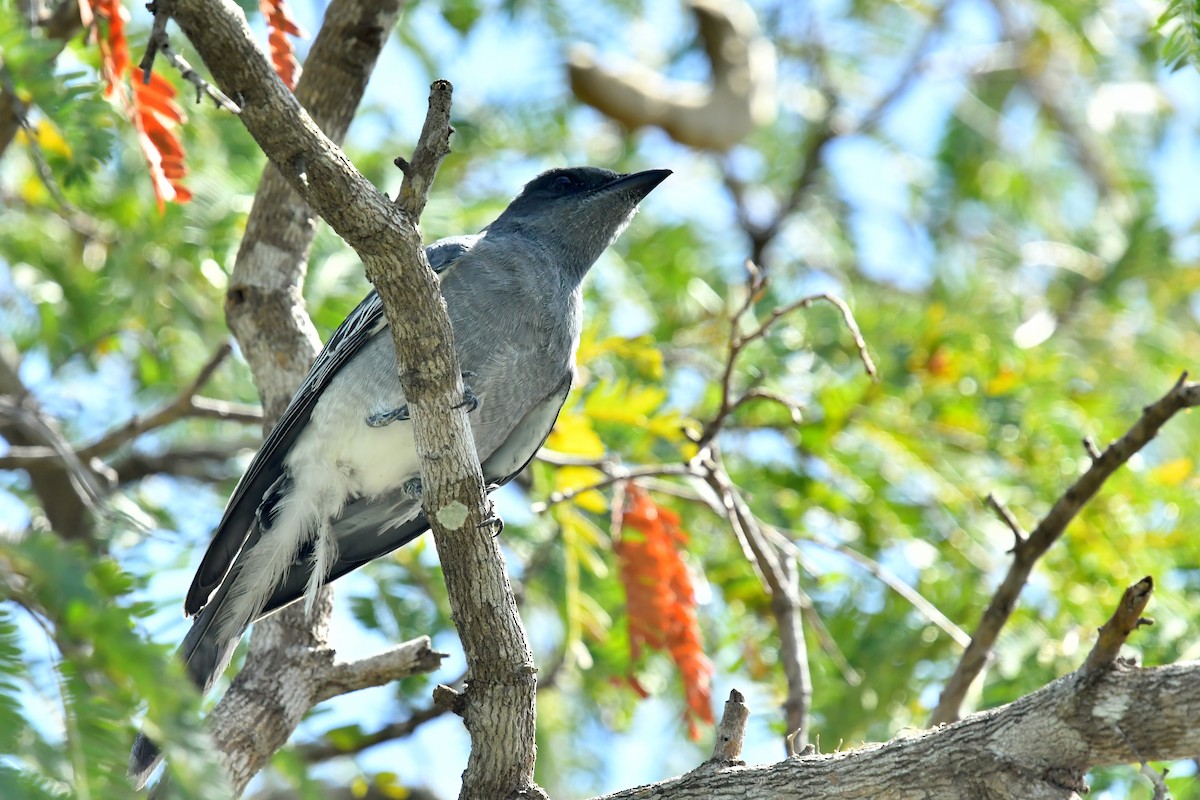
(105, 669)
(1181, 20)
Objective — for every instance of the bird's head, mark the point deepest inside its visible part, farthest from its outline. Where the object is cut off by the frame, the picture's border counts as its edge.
(577, 211)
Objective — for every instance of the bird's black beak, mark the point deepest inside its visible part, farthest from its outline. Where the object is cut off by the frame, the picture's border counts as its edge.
(638, 184)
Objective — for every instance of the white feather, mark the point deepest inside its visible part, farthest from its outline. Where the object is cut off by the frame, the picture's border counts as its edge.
(323, 558)
(336, 458)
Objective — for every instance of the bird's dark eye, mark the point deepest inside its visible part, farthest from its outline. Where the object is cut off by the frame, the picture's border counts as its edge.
(564, 183)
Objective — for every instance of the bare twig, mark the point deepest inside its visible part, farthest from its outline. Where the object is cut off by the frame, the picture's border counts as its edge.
(433, 145)
(1182, 395)
(923, 606)
(1006, 516)
(410, 658)
(776, 567)
(738, 343)
(326, 750)
(731, 732)
(206, 462)
(1161, 792)
(759, 393)
(1124, 621)
(825, 640)
(186, 404)
(615, 473)
(160, 43)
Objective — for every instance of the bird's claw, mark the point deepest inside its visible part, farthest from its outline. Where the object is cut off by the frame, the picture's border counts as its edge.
(383, 418)
(494, 522)
(413, 488)
(470, 402)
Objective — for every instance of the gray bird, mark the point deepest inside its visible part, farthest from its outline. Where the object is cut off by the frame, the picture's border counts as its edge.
(336, 483)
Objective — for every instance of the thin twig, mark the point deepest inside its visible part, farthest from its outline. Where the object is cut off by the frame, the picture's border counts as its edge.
(731, 732)
(1006, 516)
(160, 43)
(825, 640)
(889, 579)
(738, 343)
(326, 750)
(1125, 620)
(1156, 778)
(615, 473)
(1182, 395)
(759, 393)
(432, 146)
(205, 462)
(185, 404)
(776, 567)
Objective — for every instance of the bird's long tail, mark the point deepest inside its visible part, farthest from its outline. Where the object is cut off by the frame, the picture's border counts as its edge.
(205, 652)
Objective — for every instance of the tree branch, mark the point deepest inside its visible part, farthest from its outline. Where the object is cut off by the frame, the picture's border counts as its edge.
(776, 566)
(1124, 621)
(755, 286)
(68, 492)
(186, 404)
(1036, 748)
(501, 690)
(1027, 552)
(324, 751)
(731, 731)
(410, 658)
(265, 312)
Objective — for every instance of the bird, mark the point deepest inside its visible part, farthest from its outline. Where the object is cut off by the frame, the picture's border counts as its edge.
(336, 483)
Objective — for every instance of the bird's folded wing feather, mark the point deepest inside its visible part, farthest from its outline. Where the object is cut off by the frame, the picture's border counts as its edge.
(369, 528)
(366, 321)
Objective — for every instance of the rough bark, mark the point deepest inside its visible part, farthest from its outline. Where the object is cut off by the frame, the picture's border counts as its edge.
(499, 709)
(288, 669)
(1037, 748)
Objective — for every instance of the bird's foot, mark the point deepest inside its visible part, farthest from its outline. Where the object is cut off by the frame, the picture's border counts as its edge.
(413, 488)
(493, 521)
(470, 402)
(383, 418)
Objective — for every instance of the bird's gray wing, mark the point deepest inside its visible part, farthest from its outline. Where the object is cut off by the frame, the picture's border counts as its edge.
(264, 483)
(368, 529)
(510, 458)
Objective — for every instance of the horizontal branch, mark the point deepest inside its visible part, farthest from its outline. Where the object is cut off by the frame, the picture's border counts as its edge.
(1037, 748)
(410, 658)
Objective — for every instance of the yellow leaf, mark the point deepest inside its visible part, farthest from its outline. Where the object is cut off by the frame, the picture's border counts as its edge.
(390, 786)
(50, 139)
(595, 620)
(669, 426)
(582, 539)
(568, 478)
(1174, 472)
(573, 434)
(33, 191)
(624, 403)
(639, 352)
(1002, 382)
